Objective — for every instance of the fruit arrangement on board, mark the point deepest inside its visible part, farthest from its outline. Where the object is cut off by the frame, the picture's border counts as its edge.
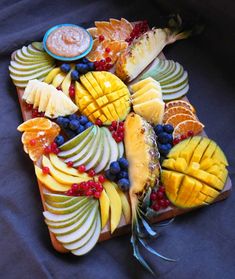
(112, 141)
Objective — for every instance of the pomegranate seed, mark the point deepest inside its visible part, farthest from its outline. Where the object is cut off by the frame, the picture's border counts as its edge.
(82, 168)
(47, 150)
(98, 122)
(97, 195)
(101, 38)
(107, 49)
(108, 59)
(156, 207)
(101, 178)
(91, 173)
(69, 164)
(89, 192)
(190, 133)
(114, 124)
(160, 195)
(69, 192)
(111, 128)
(153, 196)
(75, 187)
(45, 170)
(32, 142)
(28, 106)
(176, 140)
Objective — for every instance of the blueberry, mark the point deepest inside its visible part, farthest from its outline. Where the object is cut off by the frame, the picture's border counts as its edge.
(163, 137)
(122, 174)
(82, 68)
(88, 124)
(60, 120)
(83, 119)
(124, 184)
(85, 60)
(74, 124)
(59, 140)
(63, 122)
(114, 167)
(73, 117)
(123, 163)
(65, 68)
(80, 129)
(91, 66)
(168, 128)
(75, 75)
(158, 129)
(164, 149)
(70, 133)
(110, 176)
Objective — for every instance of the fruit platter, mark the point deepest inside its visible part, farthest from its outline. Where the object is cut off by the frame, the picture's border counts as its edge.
(116, 145)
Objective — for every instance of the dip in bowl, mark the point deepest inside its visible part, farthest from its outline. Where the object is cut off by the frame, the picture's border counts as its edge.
(67, 42)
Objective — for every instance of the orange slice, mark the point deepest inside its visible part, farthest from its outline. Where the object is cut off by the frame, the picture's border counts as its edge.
(175, 110)
(180, 103)
(99, 50)
(175, 119)
(93, 32)
(188, 125)
(35, 124)
(35, 141)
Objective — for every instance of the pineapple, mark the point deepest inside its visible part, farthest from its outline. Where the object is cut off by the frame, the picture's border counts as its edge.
(102, 95)
(48, 99)
(143, 51)
(194, 172)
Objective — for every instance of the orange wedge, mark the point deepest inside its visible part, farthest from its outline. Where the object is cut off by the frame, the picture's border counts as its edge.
(180, 103)
(174, 120)
(35, 124)
(175, 110)
(93, 32)
(188, 125)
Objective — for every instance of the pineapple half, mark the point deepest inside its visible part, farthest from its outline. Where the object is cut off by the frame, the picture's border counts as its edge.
(144, 171)
(144, 50)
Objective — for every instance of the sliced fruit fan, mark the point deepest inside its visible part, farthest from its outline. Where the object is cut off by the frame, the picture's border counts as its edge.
(112, 141)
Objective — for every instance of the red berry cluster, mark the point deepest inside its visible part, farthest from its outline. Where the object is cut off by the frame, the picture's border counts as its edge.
(82, 169)
(72, 91)
(90, 188)
(183, 137)
(53, 148)
(138, 30)
(35, 112)
(98, 122)
(159, 200)
(104, 64)
(117, 129)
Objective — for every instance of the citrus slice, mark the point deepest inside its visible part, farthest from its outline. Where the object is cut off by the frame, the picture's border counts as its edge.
(175, 110)
(180, 103)
(174, 120)
(106, 48)
(35, 141)
(35, 124)
(188, 125)
(93, 32)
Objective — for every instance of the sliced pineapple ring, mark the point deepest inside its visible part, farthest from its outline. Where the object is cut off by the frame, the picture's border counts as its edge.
(102, 95)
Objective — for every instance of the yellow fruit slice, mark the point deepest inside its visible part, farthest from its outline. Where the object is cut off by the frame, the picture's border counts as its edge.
(51, 75)
(151, 85)
(199, 150)
(140, 84)
(35, 124)
(115, 205)
(49, 182)
(104, 208)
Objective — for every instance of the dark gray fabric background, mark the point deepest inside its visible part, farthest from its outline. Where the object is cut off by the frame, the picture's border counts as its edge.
(203, 241)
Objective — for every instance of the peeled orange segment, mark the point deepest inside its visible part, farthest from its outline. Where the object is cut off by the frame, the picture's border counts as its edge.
(35, 124)
(114, 29)
(93, 32)
(99, 50)
(175, 110)
(35, 141)
(188, 125)
(174, 120)
(180, 103)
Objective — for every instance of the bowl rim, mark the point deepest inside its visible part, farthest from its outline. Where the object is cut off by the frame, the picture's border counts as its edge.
(63, 58)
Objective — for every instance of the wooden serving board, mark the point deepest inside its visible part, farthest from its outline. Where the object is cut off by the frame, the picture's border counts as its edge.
(123, 227)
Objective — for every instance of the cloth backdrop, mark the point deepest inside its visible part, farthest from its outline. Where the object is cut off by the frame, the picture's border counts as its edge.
(203, 241)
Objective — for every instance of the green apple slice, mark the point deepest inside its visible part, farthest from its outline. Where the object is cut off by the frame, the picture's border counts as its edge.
(106, 155)
(37, 45)
(178, 87)
(91, 243)
(81, 242)
(82, 147)
(57, 198)
(177, 95)
(82, 230)
(24, 67)
(21, 73)
(75, 224)
(178, 71)
(120, 149)
(98, 154)
(64, 204)
(91, 151)
(113, 147)
(168, 72)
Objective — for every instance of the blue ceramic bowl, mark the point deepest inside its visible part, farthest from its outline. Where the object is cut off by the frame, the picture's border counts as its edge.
(62, 58)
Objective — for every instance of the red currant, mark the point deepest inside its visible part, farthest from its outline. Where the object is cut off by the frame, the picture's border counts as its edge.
(70, 164)
(156, 207)
(153, 196)
(118, 139)
(161, 202)
(84, 186)
(101, 178)
(98, 122)
(82, 168)
(108, 59)
(120, 129)
(166, 203)
(190, 133)
(56, 150)
(91, 173)
(53, 146)
(45, 170)
(69, 192)
(90, 183)
(47, 150)
(28, 106)
(102, 62)
(101, 38)
(160, 195)
(183, 137)
(34, 113)
(75, 187)
(59, 87)
(32, 142)
(161, 189)
(121, 123)
(97, 195)
(89, 192)
(176, 140)
(107, 49)
(111, 128)
(114, 124)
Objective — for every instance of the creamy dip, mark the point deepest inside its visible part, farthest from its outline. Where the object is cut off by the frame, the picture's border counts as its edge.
(68, 41)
